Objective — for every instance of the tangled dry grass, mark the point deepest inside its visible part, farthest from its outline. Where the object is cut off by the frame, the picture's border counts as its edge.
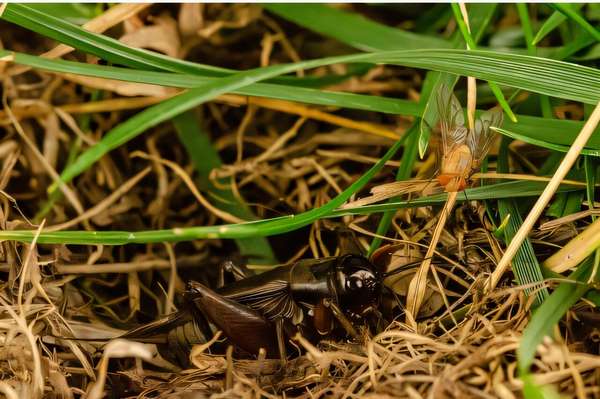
(283, 158)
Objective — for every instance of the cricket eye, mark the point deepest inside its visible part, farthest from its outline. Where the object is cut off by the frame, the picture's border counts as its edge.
(354, 283)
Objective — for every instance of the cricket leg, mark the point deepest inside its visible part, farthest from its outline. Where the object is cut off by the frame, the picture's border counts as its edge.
(229, 267)
(344, 321)
(281, 341)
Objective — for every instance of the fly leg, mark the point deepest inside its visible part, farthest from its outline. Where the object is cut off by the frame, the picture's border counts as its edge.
(344, 321)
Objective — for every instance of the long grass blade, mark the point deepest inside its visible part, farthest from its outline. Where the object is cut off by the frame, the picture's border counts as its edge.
(550, 312)
(205, 158)
(572, 13)
(525, 264)
(283, 224)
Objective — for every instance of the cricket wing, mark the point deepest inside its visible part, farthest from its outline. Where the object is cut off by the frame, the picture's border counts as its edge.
(157, 331)
(451, 118)
(269, 293)
(481, 137)
(246, 327)
(272, 299)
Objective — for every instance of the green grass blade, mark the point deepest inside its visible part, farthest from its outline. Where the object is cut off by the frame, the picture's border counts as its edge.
(555, 19)
(570, 12)
(205, 158)
(472, 45)
(591, 167)
(526, 25)
(532, 390)
(409, 158)
(550, 130)
(117, 53)
(102, 46)
(540, 75)
(512, 189)
(277, 91)
(261, 228)
(549, 25)
(352, 29)
(550, 312)
(545, 144)
(525, 264)
(76, 13)
(283, 224)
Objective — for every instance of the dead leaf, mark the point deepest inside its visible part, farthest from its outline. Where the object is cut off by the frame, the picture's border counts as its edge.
(162, 36)
(190, 18)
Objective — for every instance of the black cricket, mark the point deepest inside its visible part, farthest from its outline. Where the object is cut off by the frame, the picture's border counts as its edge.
(312, 297)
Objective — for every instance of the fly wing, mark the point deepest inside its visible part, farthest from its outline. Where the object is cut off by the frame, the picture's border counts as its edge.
(480, 138)
(452, 119)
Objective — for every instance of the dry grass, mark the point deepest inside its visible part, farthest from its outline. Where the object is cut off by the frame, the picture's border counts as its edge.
(283, 158)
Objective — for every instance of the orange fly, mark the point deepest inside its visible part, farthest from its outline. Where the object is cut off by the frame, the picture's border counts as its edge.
(460, 154)
(462, 148)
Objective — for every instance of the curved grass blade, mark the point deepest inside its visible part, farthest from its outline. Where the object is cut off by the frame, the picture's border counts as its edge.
(555, 19)
(572, 13)
(540, 75)
(479, 64)
(117, 53)
(550, 130)
(102, 46)
(259, 228)
(352, 29)
(205, 158)
(544, 144)
(282, 92)
(550, 312)
(525, 264)
(283, 224)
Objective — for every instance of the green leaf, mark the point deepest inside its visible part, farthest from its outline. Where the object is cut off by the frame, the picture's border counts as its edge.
(512, 189)
(352, 29)
(278, 91)
(572, 13)
(540, 75)
(545, 144)
(205, 158)
(525, 265)
(261, 228)
(76, 13)
(550, 130)
(531, 390)
(550, 312)
(283, 224)
(549, 25)
(102, 46)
